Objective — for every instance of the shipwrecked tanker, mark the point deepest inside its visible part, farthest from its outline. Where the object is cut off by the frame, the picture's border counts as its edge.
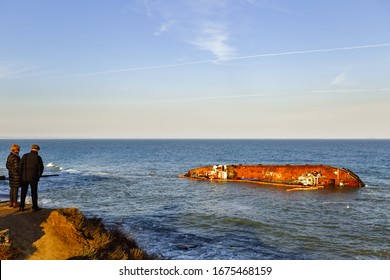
(294, 177)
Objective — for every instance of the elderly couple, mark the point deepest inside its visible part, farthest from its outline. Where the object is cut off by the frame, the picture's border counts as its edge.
(23, 172)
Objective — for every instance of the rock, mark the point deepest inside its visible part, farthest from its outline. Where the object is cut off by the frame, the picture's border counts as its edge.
(4, 238)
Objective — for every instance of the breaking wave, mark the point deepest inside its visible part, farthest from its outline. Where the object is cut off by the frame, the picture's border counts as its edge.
(52, 166)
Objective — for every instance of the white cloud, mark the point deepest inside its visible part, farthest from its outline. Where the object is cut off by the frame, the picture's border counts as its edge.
(214, 37)
(165, 27)
(339, 80)
(203, 24)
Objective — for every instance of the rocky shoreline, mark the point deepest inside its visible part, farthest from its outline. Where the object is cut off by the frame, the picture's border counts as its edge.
(62, 234)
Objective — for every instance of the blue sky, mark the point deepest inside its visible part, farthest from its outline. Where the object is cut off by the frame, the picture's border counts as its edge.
(195, 69)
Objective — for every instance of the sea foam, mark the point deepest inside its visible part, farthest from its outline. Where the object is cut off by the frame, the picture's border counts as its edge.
(53, 166)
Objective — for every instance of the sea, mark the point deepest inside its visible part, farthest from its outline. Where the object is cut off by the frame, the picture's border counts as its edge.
(134, 185)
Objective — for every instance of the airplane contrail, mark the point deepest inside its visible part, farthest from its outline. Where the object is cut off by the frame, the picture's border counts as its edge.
(311, 51)
(146, 68)
(308, 92)
(236, 58)
(350, 90)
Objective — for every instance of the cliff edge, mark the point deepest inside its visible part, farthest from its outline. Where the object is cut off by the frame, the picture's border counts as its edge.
(61, 234)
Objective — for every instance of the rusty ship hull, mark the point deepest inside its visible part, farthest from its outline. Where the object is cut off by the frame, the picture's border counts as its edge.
(292, 176)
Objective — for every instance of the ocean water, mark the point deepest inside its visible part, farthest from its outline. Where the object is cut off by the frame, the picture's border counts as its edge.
(134, 184)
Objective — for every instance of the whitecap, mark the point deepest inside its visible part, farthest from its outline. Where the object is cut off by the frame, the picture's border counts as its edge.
(52, 166)
(72, 171)
(28, 199)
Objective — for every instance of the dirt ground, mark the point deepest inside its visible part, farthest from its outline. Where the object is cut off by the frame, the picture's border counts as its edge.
(41, 235)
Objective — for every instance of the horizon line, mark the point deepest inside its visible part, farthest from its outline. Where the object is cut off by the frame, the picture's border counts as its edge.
(190, 138)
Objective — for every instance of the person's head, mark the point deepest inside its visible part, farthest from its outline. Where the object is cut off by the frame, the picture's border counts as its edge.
(35, 148)
(15, 148)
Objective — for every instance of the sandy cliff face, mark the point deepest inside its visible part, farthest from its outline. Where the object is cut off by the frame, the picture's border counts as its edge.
(60, 241)
(62, 234)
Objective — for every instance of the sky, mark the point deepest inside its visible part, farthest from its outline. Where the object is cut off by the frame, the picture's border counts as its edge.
(256, 69)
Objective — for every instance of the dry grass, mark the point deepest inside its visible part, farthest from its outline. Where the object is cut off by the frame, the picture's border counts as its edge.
(8, 252)
(101, 243)
(73, 236)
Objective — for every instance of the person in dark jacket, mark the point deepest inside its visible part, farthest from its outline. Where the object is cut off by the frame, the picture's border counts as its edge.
(31, 169)
(13, 174)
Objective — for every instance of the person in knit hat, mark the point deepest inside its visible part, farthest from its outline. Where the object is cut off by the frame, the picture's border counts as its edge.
(13, 174)
(31, 169)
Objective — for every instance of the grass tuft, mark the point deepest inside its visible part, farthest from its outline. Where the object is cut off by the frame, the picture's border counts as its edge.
(102, 243)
